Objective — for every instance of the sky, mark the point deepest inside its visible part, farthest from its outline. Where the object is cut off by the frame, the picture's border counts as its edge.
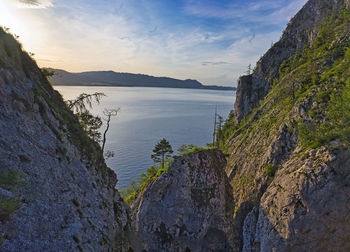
(212, 41)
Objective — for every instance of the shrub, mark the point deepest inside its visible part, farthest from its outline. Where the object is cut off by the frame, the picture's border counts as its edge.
(10, 179)
(269, 170)
(8, 207)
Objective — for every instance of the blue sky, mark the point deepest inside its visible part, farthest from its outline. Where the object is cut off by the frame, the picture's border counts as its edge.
(211, 41)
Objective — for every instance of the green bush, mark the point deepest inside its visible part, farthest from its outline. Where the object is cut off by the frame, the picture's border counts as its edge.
(8, 207)
(139, 186)
(270, 170)
(10, 179)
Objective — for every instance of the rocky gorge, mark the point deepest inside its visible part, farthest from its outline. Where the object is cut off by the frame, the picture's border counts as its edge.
(279, 179)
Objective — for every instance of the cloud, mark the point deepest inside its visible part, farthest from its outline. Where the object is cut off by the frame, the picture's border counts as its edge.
(266, 11)
(209, 40)
(37, 4)
(205, 63)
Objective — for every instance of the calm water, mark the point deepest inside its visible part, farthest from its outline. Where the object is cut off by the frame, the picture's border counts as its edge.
(182, 116)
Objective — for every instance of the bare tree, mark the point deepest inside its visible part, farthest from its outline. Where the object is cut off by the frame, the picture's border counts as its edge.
(79, 105)
(108, 113)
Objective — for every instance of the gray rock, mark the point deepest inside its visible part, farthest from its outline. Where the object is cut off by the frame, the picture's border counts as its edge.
(60, 198)
(188, 207)
(301, 31)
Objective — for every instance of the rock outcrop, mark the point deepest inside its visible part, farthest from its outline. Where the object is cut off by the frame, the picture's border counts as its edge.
(189, 208)
(56, 192)
(305, 208)
(300, 33)
(289, 164)
(284, 186)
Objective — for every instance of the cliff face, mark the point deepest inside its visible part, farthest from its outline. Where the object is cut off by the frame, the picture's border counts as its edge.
(289, 162)
(301, 32)
(289, 158)
(305, 208)
(56, 193)
(284, 186)
(189, 208)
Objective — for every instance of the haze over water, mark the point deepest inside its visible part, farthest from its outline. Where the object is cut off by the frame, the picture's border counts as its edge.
(182, 116)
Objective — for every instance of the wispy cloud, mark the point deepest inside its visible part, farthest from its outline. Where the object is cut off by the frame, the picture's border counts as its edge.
(212, 41)
(265, 11)
(39, 4)
(206, 63)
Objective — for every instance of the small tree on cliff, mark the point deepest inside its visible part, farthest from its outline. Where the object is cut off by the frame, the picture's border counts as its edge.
(161, 152)
(79, 104)
(90, 123)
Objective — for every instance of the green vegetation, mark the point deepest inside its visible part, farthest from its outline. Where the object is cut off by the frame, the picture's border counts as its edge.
(10, 179)
(161, 152)
(91, 124)
(47, 72)
(162, 156)
(269, 170)
(50, 101)
(8, 207)
(330, 119)
(190, 148)
(79, 104)
(317, 79)
(185, 148)
(137, 187)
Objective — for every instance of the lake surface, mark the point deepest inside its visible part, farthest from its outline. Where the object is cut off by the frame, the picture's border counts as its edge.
(182, 116)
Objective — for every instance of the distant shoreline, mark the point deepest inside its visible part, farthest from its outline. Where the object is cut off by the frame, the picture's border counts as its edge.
(117, 79)
(220, 88)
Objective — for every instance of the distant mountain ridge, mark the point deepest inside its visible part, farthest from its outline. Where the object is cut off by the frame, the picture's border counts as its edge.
(111, 78)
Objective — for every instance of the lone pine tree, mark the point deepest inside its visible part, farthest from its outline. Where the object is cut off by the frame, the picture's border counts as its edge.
(161, 151)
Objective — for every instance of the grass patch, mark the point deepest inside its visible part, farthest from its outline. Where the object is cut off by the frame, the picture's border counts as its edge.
(138, 186)
(8, 207)
(269, 170)
(10, 179)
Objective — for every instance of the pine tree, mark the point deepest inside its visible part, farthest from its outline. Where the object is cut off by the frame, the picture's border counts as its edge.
(161, 152)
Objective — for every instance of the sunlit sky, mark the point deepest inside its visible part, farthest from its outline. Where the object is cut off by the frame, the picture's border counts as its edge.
(212, 41)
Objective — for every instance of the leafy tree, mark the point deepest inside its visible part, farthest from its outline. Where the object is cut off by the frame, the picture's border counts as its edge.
(90, 124)
(47, 72)
(161, 152)
(79, 104)
(109, 154)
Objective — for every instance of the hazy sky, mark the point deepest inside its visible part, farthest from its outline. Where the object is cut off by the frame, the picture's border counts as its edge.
(212, 41)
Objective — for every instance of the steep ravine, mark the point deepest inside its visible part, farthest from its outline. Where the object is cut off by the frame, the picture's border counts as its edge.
(288, 149)
(283, 183)
(56, 192)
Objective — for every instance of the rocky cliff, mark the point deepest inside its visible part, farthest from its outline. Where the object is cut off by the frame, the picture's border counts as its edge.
(288, 151)
(284, 185)
(56, 192)
(288, 140)
(301, 32)
(189, 208)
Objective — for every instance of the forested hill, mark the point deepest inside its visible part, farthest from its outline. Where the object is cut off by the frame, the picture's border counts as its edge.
(111, 78)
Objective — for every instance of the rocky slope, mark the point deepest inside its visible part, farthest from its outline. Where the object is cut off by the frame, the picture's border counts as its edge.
(301, 32)
(288, 140)
(56, 192)
(288, 144)
(284, 187)
(189, 208)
